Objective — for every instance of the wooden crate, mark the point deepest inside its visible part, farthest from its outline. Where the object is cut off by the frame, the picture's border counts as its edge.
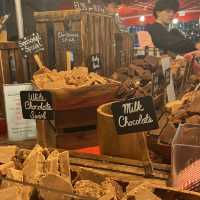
(98, 36)
(124, 45)
(70, 138)
(75, 116)
(11, 68)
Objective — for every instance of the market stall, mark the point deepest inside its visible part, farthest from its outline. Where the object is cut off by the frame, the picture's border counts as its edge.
(92, 115)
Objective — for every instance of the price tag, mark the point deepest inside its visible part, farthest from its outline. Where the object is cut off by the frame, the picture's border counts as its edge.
(95, 62)
(69, 40)
(134, 115)
(31, 44)
(37, 105)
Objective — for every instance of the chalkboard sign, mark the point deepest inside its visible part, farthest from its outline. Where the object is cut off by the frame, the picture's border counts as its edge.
(89, 6)
(31, 44)
(69, 40)
(95, 62)
(134, 115)
(37, 105)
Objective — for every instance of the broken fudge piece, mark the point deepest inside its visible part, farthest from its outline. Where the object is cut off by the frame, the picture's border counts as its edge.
(195, 119)
(11, 193)
(7, 153)
(52, 163)
(55, 182)
(13, 174)
(5, 167)
(88, 188)
(34, 168)
(65, 165)
(112, 187)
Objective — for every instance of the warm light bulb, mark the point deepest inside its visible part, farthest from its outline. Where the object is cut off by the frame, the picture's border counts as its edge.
(142, 18)
(175, 21)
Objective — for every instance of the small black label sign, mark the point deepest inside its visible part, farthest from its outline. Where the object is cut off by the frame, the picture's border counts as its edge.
(134, 115)
(37, 105)
(31, 44)
(69, 40)
(95, 62)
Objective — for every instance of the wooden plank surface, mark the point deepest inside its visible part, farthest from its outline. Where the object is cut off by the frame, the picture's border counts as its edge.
(6, 68)
(2, 81)
(97, 35)
(8, 45)
(58, 27)
(119, 160)
(41, 28)
(54, 16)
(115, 167)
(70, 140)
(19, 66)
(93, 174)
(103, 43)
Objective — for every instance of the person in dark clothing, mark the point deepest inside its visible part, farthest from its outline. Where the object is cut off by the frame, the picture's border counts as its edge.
(173, 40)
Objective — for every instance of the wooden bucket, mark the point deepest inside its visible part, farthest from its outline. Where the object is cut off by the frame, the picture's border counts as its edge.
(131, 145)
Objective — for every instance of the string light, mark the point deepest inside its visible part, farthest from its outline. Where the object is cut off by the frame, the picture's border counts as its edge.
(175, 21)
(142, 18)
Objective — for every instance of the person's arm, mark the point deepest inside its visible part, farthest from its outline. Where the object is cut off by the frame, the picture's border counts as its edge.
(179, 44)
(169, 41)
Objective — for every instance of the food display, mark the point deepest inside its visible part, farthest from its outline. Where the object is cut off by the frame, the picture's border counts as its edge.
(94, 108)
(50, 177)
(76, 88)
(39, 166)
(135, 78)
(186, 110)
(49, 171)
(183, 76)
(178, 67)
(77, 77)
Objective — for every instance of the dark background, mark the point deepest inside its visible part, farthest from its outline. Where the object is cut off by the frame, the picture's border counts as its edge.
(28, 7)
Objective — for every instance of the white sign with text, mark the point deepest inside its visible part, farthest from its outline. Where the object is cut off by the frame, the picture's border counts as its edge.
(18, 128)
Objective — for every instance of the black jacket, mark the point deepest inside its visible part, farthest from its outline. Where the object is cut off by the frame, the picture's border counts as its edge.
(173, 40)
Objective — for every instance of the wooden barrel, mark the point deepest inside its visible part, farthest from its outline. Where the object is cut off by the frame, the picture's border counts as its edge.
(129, 145)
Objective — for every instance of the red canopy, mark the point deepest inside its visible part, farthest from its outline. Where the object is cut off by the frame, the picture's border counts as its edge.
(136, 8)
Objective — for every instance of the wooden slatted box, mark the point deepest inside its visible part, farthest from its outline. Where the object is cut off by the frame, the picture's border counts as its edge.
(98, 36)
(11, 68)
